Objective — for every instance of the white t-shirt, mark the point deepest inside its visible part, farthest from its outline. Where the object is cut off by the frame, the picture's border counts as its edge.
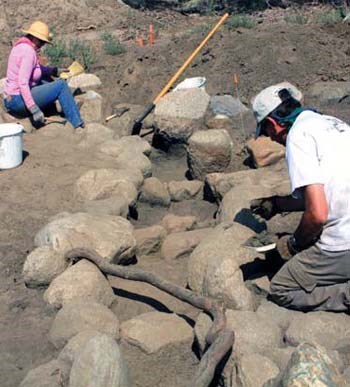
(318, 152)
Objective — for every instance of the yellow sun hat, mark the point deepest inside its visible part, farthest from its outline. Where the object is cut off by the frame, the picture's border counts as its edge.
(39, 30)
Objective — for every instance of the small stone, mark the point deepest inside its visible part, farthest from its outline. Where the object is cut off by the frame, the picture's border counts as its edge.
(84, 82)
(180, 244)
(264, 151)
(173, 223)
(100, 364)
(42, 265)
(82, 281)
(149, 239)
(209, 151)
(183, 190)
(155, 192)
(74, 318)
(154, 330)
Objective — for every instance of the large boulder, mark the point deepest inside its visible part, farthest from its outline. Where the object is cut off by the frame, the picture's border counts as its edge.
(91, 109)
(217, 185)
(254, 370)
(75, 318)
(155, 192)
(137, 159)
(186, 103)
(81, 282)
(236, 203)
(110, 236)
(331, 91)
(149, 239)
(180, 244)
(129, 144)
(311, 327)
(209, 151)
(227, 105)
(309, 365)
(104, 183)
(214, 266)
(185, 189)
(114, 205)
(264, 151)
(154, 330)
(84, 82)
(171, 131)
(75, 345)
(42, 265)
(173, 223)
(94, 134)
(253, 334)
(100, 364)
(51, 374)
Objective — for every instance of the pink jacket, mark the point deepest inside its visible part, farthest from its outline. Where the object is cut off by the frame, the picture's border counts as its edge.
(24, 71)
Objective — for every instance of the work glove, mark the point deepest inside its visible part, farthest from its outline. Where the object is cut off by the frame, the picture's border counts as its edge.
(287, 247)
(265, 207)
(38, 115)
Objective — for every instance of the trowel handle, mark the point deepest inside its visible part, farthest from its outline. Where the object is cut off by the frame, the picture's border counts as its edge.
(138, 122)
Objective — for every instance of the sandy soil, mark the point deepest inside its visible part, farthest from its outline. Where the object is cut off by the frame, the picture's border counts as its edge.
(43, 186)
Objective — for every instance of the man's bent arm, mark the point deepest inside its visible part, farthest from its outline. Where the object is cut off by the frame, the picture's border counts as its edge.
(289, 204)
(314, 216)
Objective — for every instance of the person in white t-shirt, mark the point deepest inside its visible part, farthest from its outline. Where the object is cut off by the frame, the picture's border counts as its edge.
(316, 274)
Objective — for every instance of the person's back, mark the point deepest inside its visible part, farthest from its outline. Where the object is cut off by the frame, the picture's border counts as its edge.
(318, 153)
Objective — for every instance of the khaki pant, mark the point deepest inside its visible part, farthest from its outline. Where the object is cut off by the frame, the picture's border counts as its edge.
(314, 279)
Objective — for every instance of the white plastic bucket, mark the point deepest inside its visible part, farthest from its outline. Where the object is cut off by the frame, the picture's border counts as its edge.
(191, 83)
(11, 145)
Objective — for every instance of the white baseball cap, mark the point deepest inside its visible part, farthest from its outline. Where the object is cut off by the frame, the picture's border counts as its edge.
(269, 99)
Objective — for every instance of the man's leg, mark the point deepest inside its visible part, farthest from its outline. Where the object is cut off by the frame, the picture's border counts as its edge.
(314, 280)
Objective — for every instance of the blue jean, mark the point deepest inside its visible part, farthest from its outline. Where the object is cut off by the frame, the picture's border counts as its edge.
(44, 95)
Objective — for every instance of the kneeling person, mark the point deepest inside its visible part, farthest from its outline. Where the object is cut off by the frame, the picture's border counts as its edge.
(316, 274)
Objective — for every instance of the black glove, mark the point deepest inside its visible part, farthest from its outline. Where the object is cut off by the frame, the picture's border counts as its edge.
(38, 115)
(265, 207)
(287, 247)
(58, 70)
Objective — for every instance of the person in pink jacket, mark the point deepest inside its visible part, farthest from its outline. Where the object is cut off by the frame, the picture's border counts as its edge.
(25, 92)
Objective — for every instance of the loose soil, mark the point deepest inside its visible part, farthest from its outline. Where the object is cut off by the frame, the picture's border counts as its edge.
(43, 186)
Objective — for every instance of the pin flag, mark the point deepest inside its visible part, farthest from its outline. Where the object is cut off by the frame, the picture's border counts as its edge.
(151, 36)
(139, 40)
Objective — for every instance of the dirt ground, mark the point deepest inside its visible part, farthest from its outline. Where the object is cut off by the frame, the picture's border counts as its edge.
(272, 51)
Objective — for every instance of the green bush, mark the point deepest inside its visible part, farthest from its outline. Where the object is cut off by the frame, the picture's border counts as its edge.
(59, 52)
(237, 21)
(82, 52)
(111, 45)
(296, 19)
(333, 16)
(56, 52)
